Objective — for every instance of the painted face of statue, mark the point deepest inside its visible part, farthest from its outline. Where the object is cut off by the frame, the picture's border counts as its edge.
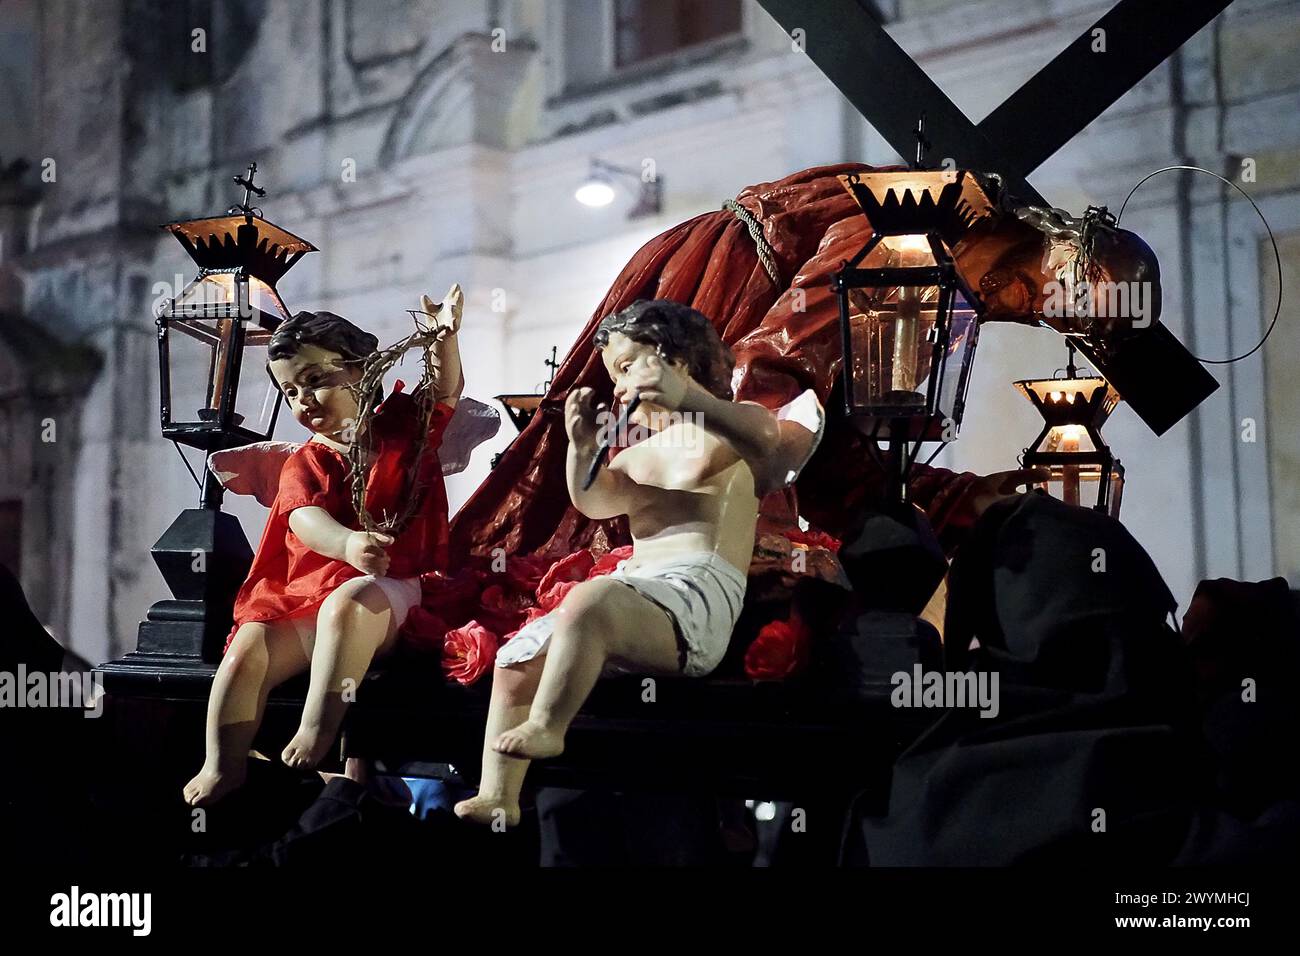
(316, 383)
(623, 356)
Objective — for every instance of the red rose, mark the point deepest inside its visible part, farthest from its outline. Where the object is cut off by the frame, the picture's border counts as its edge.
(780, 650)
(610, 560)
(552, 597)
(813, 539)
(468, 653)
(571, 568)
(500, 610)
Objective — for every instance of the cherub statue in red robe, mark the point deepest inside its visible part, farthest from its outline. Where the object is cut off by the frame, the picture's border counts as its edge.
(323, 595)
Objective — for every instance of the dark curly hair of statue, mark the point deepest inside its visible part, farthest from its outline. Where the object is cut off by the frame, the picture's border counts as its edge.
(325, 330)
(678, 333)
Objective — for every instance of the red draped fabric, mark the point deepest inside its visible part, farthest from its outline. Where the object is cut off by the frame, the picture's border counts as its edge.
(786, 338)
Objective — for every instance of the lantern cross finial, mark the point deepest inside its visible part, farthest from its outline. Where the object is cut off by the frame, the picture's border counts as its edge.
(249, 190)
(553, 365)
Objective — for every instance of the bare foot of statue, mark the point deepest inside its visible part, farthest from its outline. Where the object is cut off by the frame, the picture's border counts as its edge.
(487, 810)
(212, 783)
(307, 748)
(530, 740)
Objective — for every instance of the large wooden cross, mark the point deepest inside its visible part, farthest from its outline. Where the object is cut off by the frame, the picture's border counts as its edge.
(845, 39)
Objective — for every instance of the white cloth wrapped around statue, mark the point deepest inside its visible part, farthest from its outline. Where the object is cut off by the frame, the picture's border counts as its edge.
(702, 593)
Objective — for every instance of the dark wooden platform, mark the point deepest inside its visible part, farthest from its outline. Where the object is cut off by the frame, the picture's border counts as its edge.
(825, 740)
(729, 736)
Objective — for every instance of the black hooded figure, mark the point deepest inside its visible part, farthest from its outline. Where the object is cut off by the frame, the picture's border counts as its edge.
(1092, 755)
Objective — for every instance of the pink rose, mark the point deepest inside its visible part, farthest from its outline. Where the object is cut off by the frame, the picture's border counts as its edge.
(468, 653)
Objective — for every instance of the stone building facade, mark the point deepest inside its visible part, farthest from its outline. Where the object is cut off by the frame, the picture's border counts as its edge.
(419, 142)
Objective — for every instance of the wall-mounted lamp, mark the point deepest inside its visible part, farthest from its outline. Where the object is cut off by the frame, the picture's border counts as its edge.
(598, 188)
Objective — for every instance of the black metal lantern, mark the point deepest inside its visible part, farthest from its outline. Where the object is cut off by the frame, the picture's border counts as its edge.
(522, 406)
(1070, 447)
(909, 322)
(223, 319)
(219, 324)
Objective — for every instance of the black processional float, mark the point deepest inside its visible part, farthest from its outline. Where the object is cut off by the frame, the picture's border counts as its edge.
(218, 327)
(910, 324)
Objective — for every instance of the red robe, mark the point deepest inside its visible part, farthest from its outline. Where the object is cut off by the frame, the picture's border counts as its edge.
(289, 579)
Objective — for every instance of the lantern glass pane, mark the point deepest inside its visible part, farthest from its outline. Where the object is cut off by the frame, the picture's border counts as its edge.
(891, 341)
(1073, 484)
(957, 358)
(257, 396)
(264, 298)
(192, 349)
(208, 296)
(215, 295)
(1080, 485)
(888, 329)
(887, 337)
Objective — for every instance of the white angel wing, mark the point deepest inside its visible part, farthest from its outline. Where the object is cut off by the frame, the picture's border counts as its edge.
(252, 469)
(471, 425)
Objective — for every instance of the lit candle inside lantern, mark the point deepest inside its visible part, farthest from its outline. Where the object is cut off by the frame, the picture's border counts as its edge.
(1070, 445)
(912, 251)
(1070, 473)
(225, 332)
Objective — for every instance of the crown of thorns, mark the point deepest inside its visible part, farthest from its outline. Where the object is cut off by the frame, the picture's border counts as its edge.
(368, 392)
